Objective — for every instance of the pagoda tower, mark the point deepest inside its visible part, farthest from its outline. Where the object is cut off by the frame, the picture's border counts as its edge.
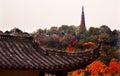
(82, 24)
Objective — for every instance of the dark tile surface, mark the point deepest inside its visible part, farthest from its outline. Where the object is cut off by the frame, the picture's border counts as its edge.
(24, 53)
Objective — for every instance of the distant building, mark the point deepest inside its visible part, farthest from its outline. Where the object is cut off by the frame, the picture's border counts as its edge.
(82, 24)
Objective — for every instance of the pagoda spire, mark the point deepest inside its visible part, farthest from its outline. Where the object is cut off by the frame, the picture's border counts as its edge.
(82, 24)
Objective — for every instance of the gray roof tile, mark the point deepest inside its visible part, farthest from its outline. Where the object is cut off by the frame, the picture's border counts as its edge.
(23, 53)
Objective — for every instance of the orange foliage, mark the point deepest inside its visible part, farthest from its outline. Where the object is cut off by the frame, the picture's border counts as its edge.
(89, 46)
(55, 36)
(78, 73)
(114, 67)
(96, 67)
(69, 48)
(75, 73)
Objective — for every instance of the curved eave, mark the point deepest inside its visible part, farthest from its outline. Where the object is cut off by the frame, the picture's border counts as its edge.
(71, 67)
(24, 54)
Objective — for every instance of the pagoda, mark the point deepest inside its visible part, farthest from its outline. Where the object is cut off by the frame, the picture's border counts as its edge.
(82, 24)
(23, 56)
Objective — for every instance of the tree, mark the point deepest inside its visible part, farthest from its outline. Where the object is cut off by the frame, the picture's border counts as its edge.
(67, 30)
(79, 44)
(93, 38)
(105, 37)
(105, 29)
(54, 41)
(114, 67)
(16, 30)
(94, 31)
(53, 30)
(69, 48)
(39, 31)
(96, 67)
(89, 46)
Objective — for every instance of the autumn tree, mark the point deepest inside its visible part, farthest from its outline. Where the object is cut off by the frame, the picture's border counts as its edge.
(96, 67)
(68, 40)
(114, 67)
(69, 48)
(89, 46)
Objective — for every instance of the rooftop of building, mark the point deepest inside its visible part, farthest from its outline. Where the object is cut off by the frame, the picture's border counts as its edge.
(23, 53)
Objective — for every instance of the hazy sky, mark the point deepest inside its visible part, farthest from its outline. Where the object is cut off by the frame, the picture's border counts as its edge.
(29, 15)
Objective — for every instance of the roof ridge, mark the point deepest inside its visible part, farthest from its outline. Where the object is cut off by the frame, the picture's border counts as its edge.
(4, 37)
(56, 52)
(74, 53)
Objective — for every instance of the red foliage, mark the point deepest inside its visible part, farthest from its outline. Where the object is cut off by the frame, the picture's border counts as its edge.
(114, 67)
(69, 48)
(96, 67)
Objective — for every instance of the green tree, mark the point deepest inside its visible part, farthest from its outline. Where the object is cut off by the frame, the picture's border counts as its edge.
(53, 30)
(93, 38)
(65, 29)
(105, 29)
(94, 31)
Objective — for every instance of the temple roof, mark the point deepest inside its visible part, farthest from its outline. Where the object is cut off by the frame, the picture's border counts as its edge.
(24, 53)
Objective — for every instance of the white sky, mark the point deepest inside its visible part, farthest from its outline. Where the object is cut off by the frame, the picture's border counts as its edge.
(29, 15)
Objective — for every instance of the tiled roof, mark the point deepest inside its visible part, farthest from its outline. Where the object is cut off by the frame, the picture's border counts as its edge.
(24, 53)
